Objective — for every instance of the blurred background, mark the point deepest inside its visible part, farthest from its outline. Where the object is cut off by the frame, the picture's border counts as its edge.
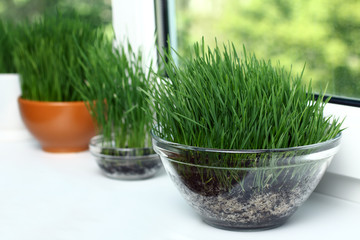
(98, 12)
(324, 34)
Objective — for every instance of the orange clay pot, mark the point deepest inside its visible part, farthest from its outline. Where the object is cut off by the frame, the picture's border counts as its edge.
(58, 126)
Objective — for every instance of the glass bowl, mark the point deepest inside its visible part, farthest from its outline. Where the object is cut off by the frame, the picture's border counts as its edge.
(124, 163)
(245, 189)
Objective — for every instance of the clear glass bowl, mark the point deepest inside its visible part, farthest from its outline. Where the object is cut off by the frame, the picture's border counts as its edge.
(245, 189)
(124, 163)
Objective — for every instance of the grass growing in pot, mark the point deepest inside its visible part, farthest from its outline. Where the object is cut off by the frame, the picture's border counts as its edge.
(115, 81)
(45, 49)
(237, 134)
(52, 110)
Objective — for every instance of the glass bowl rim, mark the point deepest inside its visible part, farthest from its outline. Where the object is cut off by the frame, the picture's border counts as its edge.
(335, 140)
(95, 140)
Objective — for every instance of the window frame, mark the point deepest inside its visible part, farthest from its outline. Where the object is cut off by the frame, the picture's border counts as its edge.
(341, 100)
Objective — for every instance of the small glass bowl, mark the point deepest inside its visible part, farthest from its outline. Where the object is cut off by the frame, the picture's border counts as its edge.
(124, 163)
(245, 189)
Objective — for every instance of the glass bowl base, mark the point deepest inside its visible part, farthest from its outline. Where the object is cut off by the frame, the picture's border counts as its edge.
(244, 226)
(119, 176)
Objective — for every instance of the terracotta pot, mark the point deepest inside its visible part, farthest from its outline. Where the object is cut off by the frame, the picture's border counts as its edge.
(58, 126)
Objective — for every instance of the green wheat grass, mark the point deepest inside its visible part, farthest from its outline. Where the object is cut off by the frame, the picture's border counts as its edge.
(43, 52)
(221, 99)
(114, 89)
(6, 47)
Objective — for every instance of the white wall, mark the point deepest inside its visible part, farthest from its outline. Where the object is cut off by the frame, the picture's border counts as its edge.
(134, 20)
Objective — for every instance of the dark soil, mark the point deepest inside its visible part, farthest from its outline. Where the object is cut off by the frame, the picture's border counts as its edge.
(130, 169)
(245, 206)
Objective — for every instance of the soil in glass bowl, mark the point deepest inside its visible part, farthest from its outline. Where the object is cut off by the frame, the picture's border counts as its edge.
(261, 190)
(125, 163)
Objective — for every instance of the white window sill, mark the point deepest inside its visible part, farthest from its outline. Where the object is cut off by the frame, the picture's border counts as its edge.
(64, 195)
(346, 162)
